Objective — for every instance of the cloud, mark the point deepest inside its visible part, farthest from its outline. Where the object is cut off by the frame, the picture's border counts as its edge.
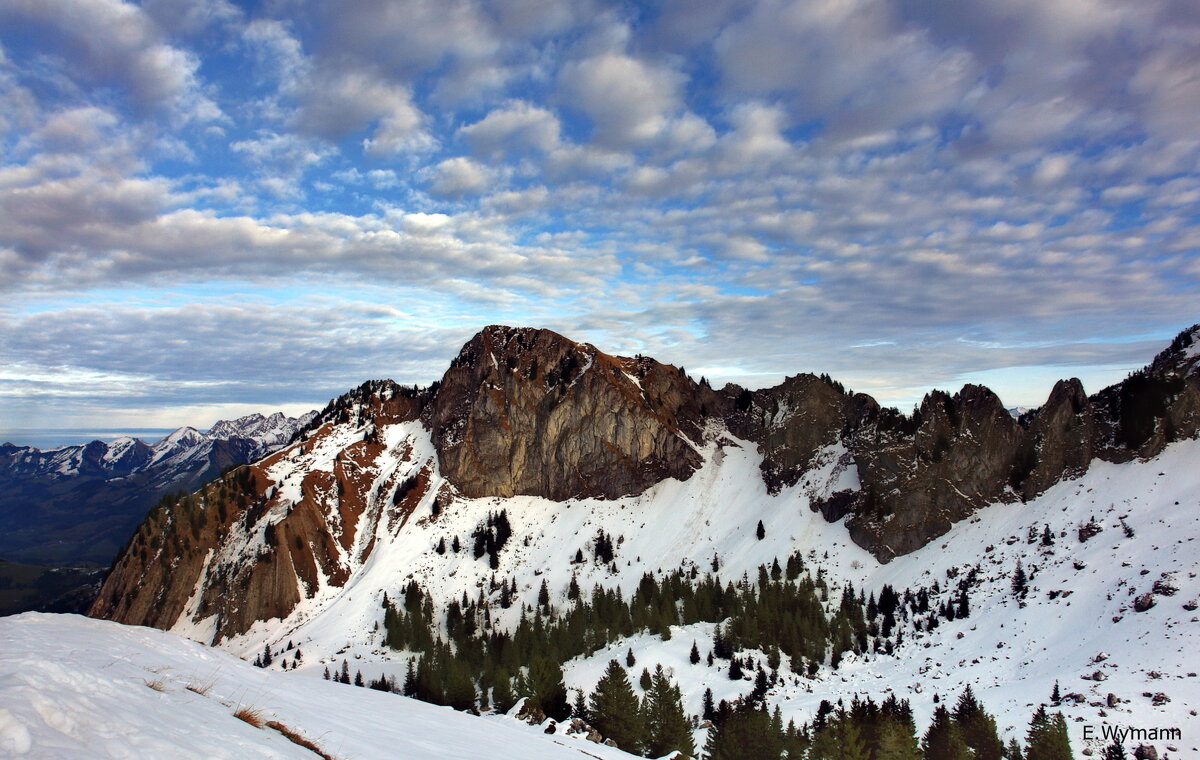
(342, 101)
(628, 101)
(517, 127)
(456, 177)
(114, 42)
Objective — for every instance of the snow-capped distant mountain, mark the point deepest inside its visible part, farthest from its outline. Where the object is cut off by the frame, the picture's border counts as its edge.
(79, 503)
(609, 470)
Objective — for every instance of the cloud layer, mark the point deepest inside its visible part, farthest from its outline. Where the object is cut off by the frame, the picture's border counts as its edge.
(205, 203)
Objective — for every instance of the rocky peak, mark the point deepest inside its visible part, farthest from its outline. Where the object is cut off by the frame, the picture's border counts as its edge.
(528, 411)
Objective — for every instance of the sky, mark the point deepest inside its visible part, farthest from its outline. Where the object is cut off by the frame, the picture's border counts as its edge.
(209, 208)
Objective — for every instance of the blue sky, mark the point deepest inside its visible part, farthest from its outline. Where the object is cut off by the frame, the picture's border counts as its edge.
(209, 208)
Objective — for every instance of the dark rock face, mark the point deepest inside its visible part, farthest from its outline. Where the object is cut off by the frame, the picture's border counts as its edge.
(921, 475)
(524, 411)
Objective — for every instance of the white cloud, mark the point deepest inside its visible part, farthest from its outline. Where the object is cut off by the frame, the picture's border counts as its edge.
(456, 177)
(627, 100)
(110, 41)
(516, 127)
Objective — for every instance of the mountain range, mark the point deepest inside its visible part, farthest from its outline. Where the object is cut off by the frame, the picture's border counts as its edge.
(538, 466)
(77, 504)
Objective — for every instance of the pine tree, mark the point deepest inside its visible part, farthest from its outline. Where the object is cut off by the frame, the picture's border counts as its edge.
(358, 679)
(897, 742)
(694, 656)
(1056, 695)
(1047, 738)
(410, 681)
(745, 734)
(667, 726)
(345, 672)
(630, 660)
(547, 688)
(326, 672)
(1115, 751)
(943, 740)
(502, 694)
(760, 531)
(1020, 582)
(614, 710)
(1013, 752)
(644, 680)
(708, 711)
(978, 728)
(266, 656)
(735, 670)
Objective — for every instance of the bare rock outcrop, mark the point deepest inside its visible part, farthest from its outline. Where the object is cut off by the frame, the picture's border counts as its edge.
(523, 411)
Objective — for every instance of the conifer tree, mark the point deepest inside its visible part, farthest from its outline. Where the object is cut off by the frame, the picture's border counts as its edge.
(1013, 751)
(1115, 751)
(667, 726)
(745, 734)
(942, 740)
(502, 694)
(630, 660)
(547, 689)
(614, 710)
(345, 672)
(760, 531)
(644, 680)
(896, 742)
(1047, 738)
(1020, 582)
(694, 656)
(708, 711)
(978, 728)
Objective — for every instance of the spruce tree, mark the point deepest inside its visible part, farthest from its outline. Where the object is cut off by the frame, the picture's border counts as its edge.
(943, 740)
(745, 734)
(1048, 739)
(760, 531)
(502, 694)
(1115, 751)
(547, 688)
(630, 660)
(694, 656)
(667, 726)
(896, 742)
(1013, 752)
(614, 710)
(978, 728)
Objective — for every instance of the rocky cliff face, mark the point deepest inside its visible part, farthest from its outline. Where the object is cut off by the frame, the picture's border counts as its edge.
(529, 412)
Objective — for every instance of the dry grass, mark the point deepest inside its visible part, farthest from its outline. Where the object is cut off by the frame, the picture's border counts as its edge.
(202, 687)
(157, 684)
(297, 739)
(249, 714)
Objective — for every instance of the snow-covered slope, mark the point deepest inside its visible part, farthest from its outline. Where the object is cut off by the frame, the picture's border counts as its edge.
(71, 687)
(1077, 619)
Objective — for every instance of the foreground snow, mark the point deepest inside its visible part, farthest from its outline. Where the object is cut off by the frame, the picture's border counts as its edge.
(71, 687)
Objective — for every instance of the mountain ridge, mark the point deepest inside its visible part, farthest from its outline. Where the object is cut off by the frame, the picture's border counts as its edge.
(100, 489)
(529, 413)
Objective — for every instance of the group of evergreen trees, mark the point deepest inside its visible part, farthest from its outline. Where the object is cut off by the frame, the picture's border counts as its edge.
(865, 730)
(652, 727)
